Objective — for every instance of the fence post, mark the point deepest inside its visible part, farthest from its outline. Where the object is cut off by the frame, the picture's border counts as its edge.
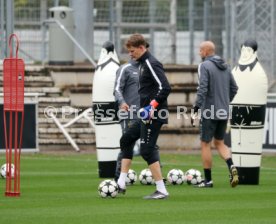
(118, 45)
(228, 29)
(206, 15)
(173, 22)
(152, 14)
(9, 22)
(191, 29)
(111, 19)
(2, 31)
(43, 17)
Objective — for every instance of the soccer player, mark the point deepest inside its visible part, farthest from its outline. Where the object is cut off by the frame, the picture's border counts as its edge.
(154, 89)
(126, 95)
(216, 90)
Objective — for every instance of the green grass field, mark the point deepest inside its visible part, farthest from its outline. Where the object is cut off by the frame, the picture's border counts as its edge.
(63, 189)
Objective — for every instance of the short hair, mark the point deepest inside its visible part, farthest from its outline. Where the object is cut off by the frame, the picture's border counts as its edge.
(136, 40)
(251, 43)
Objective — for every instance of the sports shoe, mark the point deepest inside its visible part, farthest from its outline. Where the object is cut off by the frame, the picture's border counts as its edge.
(121, 190)
(205, 184)
(156, 195)
(234, 177)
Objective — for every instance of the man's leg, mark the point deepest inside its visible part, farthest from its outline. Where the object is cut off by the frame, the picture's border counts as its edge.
(224, 151)
(125, 165)
(118, 166)
(225, 154)
(125, 124)
(149, 152)
(206, 157)
(207, 128)
(126, 143)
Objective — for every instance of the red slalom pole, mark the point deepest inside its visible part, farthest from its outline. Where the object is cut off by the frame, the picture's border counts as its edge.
(13, 86)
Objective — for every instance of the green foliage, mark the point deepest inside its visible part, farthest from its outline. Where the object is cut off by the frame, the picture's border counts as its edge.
(61, 189)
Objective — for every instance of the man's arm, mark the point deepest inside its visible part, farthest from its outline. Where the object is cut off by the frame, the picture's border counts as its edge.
(202, 87)
(121, 78)
(161, 80)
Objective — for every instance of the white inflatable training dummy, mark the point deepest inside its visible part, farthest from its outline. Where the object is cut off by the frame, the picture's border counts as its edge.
(107, 128)
(248, 114)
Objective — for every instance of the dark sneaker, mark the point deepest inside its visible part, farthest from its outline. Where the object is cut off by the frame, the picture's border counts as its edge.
(234, 177)
(121, 190)
(205, 184)
(156, 195)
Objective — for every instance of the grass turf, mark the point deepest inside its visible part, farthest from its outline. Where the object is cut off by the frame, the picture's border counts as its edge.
(63, 189)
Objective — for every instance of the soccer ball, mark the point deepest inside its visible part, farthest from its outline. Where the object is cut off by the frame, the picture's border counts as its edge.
(146, 177)
(108, 189)
(176, 176)
(193, 176)
(4, 172)
(131, 177)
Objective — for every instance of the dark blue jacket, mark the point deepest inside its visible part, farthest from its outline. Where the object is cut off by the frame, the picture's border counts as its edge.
(153, 84)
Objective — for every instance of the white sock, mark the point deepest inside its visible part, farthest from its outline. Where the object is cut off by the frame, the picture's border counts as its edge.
(160, 186)
(122, 180)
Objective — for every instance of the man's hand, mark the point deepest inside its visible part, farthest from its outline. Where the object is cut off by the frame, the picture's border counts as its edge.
(146, 113)
(194, 112)
(124, 106)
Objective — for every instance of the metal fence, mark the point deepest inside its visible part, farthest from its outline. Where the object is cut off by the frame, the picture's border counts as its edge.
(255, 19)
(174, 28)
(152, 18)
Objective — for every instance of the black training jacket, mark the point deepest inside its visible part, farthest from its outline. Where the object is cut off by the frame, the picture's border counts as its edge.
(153, 84)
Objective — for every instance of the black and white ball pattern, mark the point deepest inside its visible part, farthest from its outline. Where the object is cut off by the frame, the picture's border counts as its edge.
(131, 177)
(108, 188)
(193, 176)
(3, 172)
(146, 177)
(175, 177)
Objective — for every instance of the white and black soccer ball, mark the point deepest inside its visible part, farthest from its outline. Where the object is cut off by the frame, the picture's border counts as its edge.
(193, 176)
(131, 177)
(146, 177)
(4, 171)
(175, 177)
(108, 189)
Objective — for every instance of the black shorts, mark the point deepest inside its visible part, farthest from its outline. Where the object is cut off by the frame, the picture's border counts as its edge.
(148, 134)
(127, 123)
(212, 128)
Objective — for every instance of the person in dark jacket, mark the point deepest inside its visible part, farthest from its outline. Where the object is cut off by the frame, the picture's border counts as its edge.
(216, 90)
(128, 100)
(153, 90)
(126, 95)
